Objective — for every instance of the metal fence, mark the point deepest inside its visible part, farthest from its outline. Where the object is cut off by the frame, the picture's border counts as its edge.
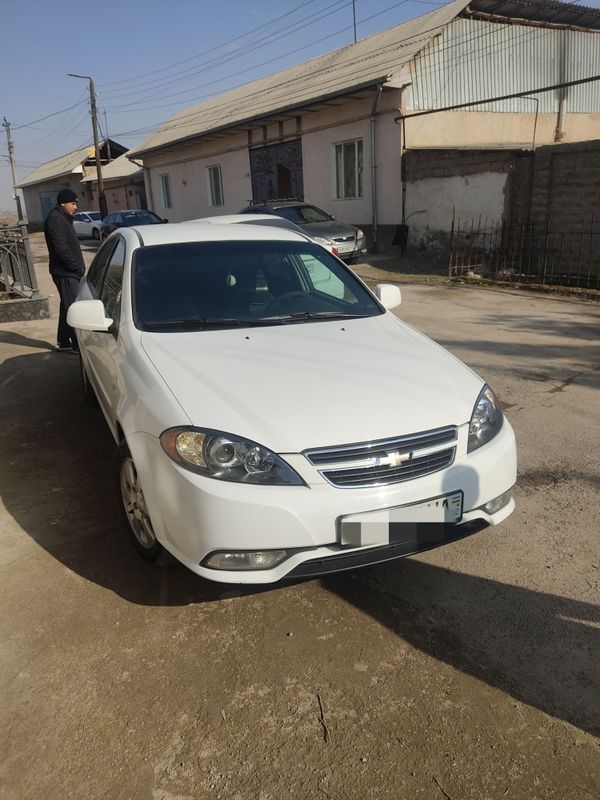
(557, 255)
(17, 273)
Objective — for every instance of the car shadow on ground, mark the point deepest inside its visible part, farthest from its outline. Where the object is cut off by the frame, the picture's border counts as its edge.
(542, 649)
(58, 482)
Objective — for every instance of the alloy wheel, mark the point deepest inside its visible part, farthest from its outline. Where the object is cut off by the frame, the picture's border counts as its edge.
(135, 505)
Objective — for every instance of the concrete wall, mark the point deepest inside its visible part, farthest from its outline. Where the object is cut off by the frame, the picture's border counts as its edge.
(493, 129)
(443, 184)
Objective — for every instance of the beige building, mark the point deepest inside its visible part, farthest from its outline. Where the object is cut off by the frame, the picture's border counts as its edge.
(337, 130)
(123, 185)
(42, 185)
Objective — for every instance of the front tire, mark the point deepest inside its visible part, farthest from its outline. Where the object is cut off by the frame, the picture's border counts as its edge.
(96, 234)
(134, 508)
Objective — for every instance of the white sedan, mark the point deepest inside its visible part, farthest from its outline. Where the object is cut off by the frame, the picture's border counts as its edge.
(273, 417)
(86, 224)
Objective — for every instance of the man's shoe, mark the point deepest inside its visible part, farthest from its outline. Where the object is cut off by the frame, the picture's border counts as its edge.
(62, 348)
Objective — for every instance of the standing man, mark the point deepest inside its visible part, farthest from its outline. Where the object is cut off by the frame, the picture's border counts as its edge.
(66, 262)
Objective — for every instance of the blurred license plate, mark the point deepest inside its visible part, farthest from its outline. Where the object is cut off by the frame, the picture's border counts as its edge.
(345, 247)
(374, 527)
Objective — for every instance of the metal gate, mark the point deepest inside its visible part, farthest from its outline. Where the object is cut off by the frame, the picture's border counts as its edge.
(277, 171)
(17, 273)
(556, 254)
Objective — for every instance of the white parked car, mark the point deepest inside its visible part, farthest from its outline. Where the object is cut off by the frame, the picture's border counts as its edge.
(86, 224)
(273, 417)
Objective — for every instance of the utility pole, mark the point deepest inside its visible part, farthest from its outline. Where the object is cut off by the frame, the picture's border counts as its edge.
(11, 158)
(107, 139)
(101, 195)
(354, 18)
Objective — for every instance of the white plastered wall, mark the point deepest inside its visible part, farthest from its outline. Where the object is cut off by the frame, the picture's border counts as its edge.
(188, 178)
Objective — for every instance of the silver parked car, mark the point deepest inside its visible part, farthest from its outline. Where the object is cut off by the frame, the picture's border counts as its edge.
(345, 241)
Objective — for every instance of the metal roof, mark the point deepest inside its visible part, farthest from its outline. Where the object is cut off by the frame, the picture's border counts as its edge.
(64, 165)
(120, 167)
(548, 11)
(356, 66)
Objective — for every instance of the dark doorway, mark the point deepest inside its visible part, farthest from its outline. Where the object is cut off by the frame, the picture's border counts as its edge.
(277, 171)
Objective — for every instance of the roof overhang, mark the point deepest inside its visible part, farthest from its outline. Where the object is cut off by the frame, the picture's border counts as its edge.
(289, 111)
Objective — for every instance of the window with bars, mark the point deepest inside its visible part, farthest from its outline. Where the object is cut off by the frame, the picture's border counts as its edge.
(215, 185)
(349, 169)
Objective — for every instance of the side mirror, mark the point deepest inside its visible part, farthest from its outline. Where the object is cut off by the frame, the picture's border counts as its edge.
(388, 295)
(88, 315)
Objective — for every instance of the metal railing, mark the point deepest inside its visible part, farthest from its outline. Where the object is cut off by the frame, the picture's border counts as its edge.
(517, 251)
(17, 273)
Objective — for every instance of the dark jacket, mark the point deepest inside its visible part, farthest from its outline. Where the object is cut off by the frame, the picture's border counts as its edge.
(63, 246)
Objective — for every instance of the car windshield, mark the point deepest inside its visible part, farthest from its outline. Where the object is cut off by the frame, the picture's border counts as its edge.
(94, 215)
(199, 285)
(302, 215)
(131, 218)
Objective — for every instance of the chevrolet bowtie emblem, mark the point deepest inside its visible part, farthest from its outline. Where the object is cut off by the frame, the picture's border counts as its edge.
(394, 459)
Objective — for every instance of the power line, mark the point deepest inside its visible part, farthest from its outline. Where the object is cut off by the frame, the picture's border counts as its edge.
(212, 49)
(53, 114)
(270, 61)
(197, 115)
(210, 64)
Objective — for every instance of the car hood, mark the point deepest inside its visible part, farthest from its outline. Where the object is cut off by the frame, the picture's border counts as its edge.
(328, 229)
(305, 385)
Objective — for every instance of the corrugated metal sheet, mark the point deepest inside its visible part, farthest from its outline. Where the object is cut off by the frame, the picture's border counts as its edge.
(471, 60)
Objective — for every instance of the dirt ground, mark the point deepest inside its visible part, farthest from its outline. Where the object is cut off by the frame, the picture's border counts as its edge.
(471, 672)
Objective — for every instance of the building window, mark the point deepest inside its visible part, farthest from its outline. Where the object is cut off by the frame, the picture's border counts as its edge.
(165, 186)
(348, 169)
(215, 186)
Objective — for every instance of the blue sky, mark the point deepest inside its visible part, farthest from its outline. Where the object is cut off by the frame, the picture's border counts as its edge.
(150, 59)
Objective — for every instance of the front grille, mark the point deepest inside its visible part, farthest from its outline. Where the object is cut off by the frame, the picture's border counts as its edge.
(386, 461)
(343, 239)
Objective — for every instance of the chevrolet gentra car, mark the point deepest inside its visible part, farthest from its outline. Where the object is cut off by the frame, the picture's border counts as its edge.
(346, 241)
(273, 417)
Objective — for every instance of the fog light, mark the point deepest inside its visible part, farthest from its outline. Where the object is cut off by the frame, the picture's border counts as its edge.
(249, 560)
(497, 503)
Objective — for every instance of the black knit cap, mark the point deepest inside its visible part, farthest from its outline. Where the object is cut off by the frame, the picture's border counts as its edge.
(66, 196)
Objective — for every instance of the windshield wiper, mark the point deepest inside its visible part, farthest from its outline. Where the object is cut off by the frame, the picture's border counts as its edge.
(300, 315)
(217, 321)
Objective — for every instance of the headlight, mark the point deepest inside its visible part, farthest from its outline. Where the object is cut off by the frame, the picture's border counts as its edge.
(226, 457)
(486, 419)
(322, 240)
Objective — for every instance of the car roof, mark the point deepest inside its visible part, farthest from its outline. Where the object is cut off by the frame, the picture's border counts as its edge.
(176, 232)
(279, 203)
(133, 211)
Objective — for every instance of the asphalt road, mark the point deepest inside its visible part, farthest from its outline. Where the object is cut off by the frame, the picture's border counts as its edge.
(470, 672)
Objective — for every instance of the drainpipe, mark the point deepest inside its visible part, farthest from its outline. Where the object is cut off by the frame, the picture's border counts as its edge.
(374, 168)
(560, 133)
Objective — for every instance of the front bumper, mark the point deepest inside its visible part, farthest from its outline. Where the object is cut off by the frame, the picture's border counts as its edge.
(194, 516)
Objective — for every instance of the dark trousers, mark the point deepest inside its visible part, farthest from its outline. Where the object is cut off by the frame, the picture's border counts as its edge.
(67, 290)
